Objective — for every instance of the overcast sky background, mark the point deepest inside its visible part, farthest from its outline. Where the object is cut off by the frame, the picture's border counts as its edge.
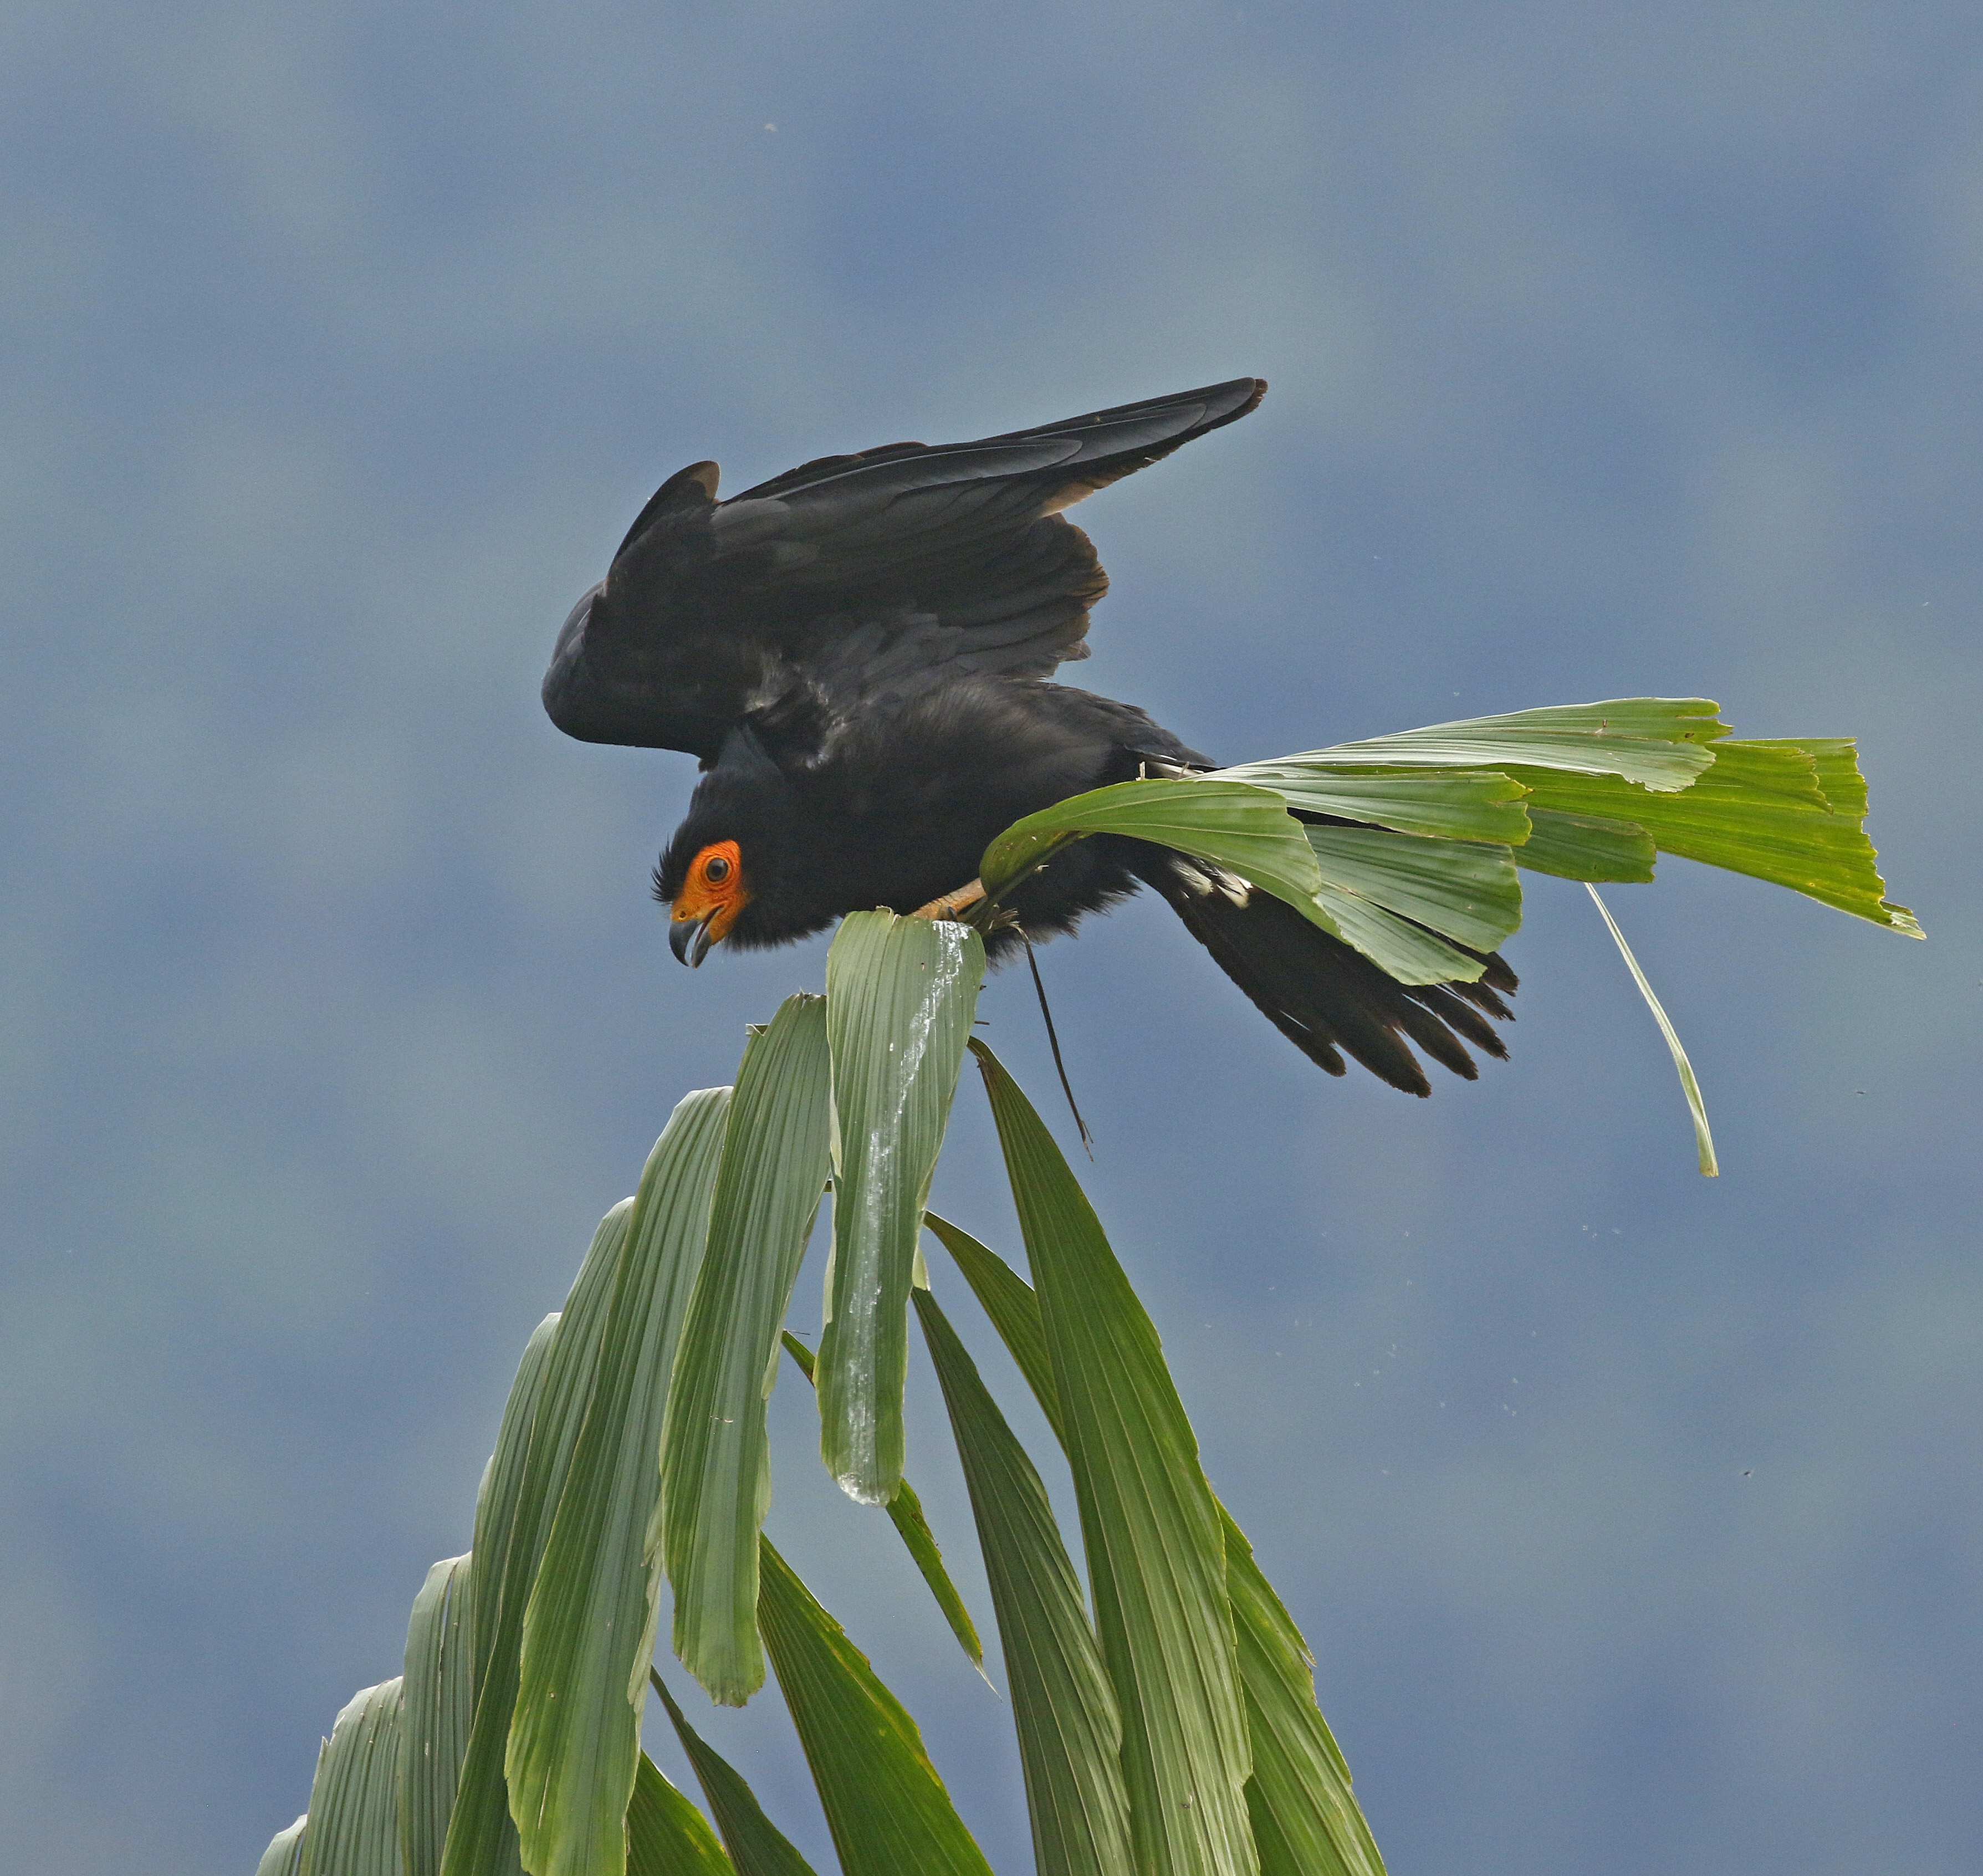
(1635, 1519)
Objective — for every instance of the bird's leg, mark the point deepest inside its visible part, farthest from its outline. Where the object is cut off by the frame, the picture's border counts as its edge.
(968, 906)
(952, 905)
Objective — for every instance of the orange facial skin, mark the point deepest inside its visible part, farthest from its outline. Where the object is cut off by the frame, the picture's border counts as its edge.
(710, 900)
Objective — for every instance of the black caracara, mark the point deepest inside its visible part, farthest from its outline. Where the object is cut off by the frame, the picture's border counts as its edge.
(859, 651)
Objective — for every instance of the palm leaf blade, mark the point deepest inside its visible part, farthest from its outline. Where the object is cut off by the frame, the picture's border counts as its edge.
(886, 1806)
(716, 1482)
(439, 1709)
(1458, 804)
(284, 1853)
(1696, 1107)
(756, 1846)
(1662, 742)
(900, 996)
(1586, 847)
(547, 1406)
(573, 1750)
(1464, 890)
(905, 1512)
(1150, 1526)
(1306, 1820)
(1775, 810)
(353, 1828)
(666, 1835)
(495, 1498)
(1070, 1732)
(1397, 946)
(1228, 823)
(1008, 1299)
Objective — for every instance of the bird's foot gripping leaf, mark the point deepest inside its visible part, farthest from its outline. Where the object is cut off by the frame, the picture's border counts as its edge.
(953, 904)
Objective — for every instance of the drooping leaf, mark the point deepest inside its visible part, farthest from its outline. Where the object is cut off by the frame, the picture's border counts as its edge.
(553, 1388)
(284, 1853)
(716, 1479)
(885, 1806)
(1063, 1706)
(912, 1525)
(353, 1828)
(1663, 742)
(756, 1846)
(900, 996)
(1299, 1797)
(1458, 804)
(1763, 809)
(1696, 1107)
(905, 1512)
(1155, 1548)
(438, 1705)
(1306, 1823)
(666, 1835)
(1371, 888)
(589, 1627)
(1605, 785)
(1247, 829)
(1008, 1299)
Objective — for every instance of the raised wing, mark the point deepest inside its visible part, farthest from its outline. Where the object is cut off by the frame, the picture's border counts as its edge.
(874, 573)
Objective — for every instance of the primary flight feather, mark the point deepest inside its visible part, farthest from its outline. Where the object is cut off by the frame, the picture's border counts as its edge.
(858, 651)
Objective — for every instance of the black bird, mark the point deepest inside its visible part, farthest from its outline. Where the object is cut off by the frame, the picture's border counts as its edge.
(858, 650)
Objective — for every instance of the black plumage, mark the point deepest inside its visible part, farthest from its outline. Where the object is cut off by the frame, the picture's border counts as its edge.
(858, 651)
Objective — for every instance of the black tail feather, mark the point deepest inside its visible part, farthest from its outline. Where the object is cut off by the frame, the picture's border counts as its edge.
(1324, 996)
(1462, 1018)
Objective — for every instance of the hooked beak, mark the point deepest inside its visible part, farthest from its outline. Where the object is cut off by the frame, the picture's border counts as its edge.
(690, 938)
(707, 902)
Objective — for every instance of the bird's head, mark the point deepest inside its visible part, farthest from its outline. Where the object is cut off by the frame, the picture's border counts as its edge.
(706, 891)
(735, 868)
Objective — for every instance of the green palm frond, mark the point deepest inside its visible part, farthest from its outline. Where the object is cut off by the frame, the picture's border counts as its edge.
(1165, 1717)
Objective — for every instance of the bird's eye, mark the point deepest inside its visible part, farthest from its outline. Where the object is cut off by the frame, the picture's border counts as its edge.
(715, 869)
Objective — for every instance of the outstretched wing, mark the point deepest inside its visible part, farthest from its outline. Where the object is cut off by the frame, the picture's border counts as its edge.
(874, 572)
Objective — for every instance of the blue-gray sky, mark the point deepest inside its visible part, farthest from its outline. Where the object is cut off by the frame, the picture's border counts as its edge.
(1635, 1519)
